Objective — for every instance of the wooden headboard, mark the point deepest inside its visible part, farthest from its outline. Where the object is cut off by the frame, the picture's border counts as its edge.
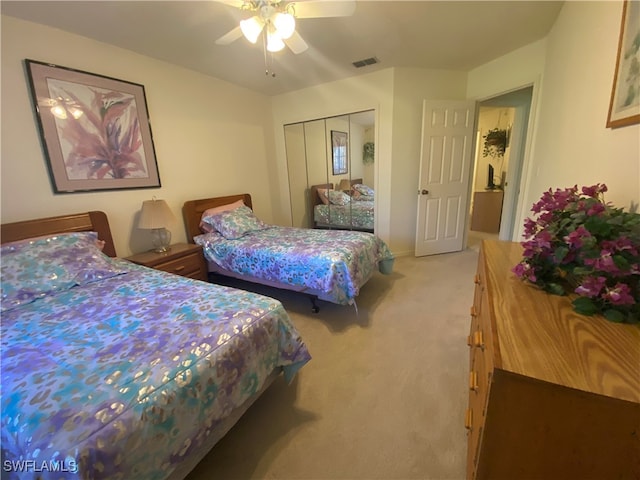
(314, 197)
(94, 221)
(192, 210)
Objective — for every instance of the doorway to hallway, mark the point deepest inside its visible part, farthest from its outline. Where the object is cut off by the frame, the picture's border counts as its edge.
(502, 124)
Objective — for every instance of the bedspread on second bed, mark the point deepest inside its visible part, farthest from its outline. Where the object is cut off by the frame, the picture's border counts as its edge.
(355, 214)
(123, 377)
(332, 264)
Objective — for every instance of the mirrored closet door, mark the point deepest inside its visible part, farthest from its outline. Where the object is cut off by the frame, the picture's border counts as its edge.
(331, 171)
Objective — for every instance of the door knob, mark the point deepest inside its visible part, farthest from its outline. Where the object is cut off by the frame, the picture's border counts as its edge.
(424, 192)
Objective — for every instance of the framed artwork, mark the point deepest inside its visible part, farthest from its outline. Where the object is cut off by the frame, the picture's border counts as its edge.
(624, 107)
(95, 130)
(339, 152)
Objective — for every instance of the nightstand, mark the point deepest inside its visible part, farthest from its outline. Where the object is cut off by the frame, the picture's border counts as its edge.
(183, 259)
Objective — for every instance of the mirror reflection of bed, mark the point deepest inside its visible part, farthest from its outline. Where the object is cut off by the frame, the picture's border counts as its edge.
(346, 206)
(311, 168)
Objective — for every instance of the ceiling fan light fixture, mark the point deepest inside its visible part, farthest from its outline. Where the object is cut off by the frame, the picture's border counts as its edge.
(285, 24)
(274, 41)
(251, 28)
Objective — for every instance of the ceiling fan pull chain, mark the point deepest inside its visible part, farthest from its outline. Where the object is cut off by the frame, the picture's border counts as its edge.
(273, 73)
(268, 57)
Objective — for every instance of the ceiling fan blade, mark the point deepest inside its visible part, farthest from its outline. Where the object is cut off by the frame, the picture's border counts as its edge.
(232, 36)
(296, 43)
(326, 8)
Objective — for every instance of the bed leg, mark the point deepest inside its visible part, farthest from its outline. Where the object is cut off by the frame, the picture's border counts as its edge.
(314, 305)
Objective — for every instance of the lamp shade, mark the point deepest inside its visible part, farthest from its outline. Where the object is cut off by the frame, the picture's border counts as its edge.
(344, 185)
(251, 28)
(285, 24)
(274, 42)
(155, 214)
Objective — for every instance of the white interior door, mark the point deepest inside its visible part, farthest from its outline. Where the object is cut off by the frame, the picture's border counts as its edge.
(445, 169)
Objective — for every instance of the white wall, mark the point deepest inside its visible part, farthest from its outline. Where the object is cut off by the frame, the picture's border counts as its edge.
(512, 71)
(411, 86)
(208, 134)
(572, 74)
(573, 145)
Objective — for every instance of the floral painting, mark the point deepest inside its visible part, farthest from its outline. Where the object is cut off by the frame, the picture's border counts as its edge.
(95, 130)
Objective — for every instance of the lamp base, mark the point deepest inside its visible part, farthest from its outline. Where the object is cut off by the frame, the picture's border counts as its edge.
(161, 239)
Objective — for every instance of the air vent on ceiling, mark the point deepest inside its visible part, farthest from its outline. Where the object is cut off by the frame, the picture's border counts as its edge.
(365, 62)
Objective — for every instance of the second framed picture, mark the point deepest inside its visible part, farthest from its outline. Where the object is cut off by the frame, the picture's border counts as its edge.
(94, 129)
(340, 152)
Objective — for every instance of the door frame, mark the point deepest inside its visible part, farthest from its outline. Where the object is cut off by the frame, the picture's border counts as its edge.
(520, 177)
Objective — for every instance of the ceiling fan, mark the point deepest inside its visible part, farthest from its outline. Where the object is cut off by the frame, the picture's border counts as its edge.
(277, 20)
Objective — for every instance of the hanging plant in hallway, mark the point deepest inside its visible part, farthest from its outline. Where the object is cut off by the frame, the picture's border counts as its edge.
(495, 143)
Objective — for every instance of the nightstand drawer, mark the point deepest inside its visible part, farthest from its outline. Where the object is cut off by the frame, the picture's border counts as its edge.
(183, 266)
(183, 259)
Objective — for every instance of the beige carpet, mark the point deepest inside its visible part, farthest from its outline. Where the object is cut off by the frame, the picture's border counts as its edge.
(385, 393)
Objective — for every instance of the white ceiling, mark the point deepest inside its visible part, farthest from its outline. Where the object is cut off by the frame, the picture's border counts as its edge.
(451, 35)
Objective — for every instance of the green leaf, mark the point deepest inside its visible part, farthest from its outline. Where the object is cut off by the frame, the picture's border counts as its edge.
(584, 306)
(580, 271)
(554, 288)
(621, 262)
(614, 316)
(560, 253)
(597, 226)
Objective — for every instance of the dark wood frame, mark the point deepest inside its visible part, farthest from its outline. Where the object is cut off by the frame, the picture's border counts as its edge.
(630, 19)
(81, 92)
(94, 221)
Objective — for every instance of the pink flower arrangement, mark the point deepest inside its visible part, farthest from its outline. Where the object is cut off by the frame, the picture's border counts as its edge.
(580, 242)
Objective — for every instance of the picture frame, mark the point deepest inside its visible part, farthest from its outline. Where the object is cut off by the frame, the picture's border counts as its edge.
(94, 130)
(624, 106)
(339, 152)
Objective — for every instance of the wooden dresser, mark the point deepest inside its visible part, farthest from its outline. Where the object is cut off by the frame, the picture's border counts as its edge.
(552, 394)
(487, 211)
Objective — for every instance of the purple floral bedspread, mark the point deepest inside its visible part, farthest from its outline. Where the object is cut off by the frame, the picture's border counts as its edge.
(124, 377)
(332, 264)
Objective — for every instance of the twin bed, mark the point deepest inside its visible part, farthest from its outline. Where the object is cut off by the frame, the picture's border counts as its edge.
(330, 265)
(113, 370)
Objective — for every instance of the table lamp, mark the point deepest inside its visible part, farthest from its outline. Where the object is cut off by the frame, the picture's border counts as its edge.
(345, 185)
(155, 216)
